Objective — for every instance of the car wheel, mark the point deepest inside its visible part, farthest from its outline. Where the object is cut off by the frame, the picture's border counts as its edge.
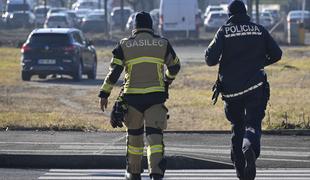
(41, 76)
(26, 76)
(77, 76)
(93, 73)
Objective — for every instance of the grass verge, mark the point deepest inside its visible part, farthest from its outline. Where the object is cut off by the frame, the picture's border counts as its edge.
(44, 105)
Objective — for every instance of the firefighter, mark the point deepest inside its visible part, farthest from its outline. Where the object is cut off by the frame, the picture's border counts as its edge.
(150, 65)
(242, 49)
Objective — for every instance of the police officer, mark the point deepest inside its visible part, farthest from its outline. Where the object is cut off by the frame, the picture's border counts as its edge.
(145, 56)
(243, 49)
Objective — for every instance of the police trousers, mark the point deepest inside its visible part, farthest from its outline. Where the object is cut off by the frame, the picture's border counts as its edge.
(246, 114)
(152, 119)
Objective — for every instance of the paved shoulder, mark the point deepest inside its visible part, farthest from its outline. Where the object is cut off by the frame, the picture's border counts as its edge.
(204, 174)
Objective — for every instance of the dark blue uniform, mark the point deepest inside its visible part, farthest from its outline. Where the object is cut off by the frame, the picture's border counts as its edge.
(243, 49)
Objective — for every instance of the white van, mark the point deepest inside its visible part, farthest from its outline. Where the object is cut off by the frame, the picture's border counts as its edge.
(179, 18)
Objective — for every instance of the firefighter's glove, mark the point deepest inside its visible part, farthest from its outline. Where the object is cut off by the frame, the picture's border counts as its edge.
(118, 113)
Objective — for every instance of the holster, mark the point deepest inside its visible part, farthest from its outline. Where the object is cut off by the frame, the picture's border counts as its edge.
(266, 87)
(167, 84)
(216, 90)
(120, 108)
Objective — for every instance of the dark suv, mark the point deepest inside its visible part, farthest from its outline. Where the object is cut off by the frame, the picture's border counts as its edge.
(58, 51)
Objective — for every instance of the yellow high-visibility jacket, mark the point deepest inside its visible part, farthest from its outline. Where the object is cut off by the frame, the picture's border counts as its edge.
(144, 56)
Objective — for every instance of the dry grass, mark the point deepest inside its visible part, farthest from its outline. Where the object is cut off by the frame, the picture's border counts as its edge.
(25, 105)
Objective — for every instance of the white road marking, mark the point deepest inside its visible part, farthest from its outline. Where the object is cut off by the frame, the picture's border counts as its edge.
(199, 174)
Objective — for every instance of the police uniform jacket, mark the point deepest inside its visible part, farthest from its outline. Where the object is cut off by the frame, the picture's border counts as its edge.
(144, 57)
(243, 49)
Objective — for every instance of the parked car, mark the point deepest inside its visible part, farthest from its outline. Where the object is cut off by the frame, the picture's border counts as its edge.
(214, 20)
(265, 21)
(179, 18)
(15, 6)
(74, 18)
(211, 8)
(18, 5)
(299, 16)
(58, 20)
(155, 17)
(40, 13)
(20, 19)
(269, 16)
(56, 10)
(62, 51)
(275, 14)
(85, 4)
(81, 13)
(94, 22)
(130, 22)
(116, 16)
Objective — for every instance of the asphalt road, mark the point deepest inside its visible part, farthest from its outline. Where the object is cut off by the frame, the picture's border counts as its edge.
(115, 174)
(277, 151)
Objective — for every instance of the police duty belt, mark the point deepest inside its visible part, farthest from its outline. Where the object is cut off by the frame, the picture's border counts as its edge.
(243, 92)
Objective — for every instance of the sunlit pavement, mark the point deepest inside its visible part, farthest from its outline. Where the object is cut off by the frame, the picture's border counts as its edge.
(278, 151)
(203, 174)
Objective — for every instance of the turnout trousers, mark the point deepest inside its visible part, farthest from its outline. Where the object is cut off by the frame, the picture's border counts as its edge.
(246, 114)
(152, 119)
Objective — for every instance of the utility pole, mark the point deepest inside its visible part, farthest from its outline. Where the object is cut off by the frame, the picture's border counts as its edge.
(257, 11)
(45, 9)
(122, 16)
(250, 8)
(99, 4)
(106, 18)
(24, 6)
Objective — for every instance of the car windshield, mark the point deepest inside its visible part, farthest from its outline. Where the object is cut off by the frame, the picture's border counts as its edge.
(20, 15)
(219, 16)
(17, 7)
(216, 9)
(118, 12)
(41, 11)
(57, 18)
(299, 14)
(95, 17)
(49, 39)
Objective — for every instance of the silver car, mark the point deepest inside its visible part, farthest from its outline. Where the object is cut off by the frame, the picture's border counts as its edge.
(214, 20)
(58, 20)
(40, 13)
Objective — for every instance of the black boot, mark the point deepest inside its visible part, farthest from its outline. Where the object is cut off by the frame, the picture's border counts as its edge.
(131, 176)
(250, 167)
(156, 177)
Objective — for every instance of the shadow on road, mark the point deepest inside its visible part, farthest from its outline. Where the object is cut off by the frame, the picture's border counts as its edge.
(63, 80)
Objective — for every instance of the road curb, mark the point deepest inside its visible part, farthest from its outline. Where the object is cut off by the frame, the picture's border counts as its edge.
(297, 132)
(300, 132)
(100, 161)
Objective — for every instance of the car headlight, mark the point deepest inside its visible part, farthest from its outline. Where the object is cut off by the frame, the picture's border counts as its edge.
(11, 16)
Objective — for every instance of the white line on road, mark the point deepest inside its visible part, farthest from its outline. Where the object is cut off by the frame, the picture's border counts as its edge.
(289, 170)
(187, 174)
(191, 174)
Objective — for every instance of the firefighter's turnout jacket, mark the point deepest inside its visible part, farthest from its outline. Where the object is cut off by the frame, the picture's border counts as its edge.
(143, 55)
(149, 61)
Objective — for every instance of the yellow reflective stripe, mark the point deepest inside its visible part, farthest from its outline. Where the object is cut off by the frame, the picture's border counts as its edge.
(117, 61)
(170, 76)
(176, 61)
(160, 75)
(145, 59)
(135, 150)
(155, 149)
(106, 87)
(144, 90)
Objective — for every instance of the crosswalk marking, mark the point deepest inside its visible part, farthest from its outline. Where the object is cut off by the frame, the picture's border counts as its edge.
(192, 174)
